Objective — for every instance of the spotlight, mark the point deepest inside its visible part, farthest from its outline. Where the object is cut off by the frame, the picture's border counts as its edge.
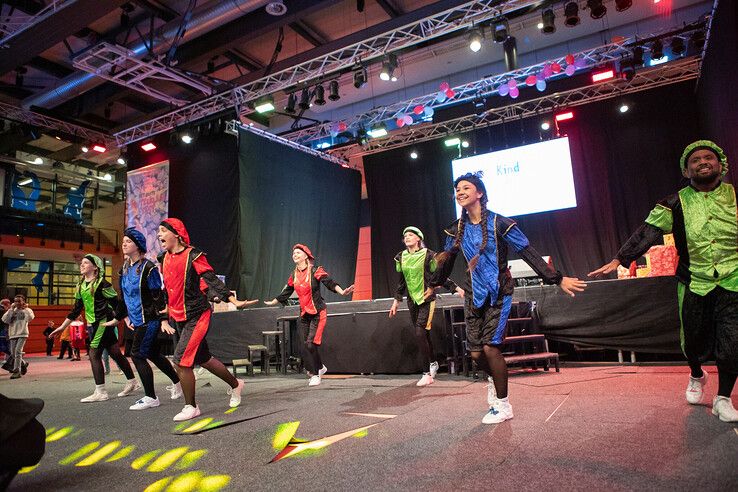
(451, 142)
(510, 47)
(548, 24)
(99, 148)
(539, 26)
(107, 177)
(545, 126)
(500, 30)
(677, 46)
(333, 94)
(84, 149)
(623, 108)
(571, 12)
(186, 138)
(465, 144)
(564, 116)
(291, 102)
(121, 161)
(319, 95)
(601, 75)
(388, 68)
(596, 9)
(638, 56)
(413, 155)
(360, 77)
(475, 40)
(621, 5)
(697, 40)
(378, 131)
(264, 105)
(627, 70)
(38, 161)
(657, 50)
(304, 100)
(148, 146)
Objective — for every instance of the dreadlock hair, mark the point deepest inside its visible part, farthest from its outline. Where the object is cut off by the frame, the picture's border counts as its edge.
(476, 180)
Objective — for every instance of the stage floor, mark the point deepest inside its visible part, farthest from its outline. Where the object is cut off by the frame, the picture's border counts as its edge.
(586, 428)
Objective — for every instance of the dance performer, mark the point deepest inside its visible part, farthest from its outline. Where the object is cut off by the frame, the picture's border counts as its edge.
(702, 217)
(187, 279)
(416, 266)
(143, 302)
(99, 300)
(306, 280)
(483, 238)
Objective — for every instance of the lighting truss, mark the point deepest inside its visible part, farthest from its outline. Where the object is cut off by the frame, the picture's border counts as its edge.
(609, 53)
(438, 24)
(233, 126)
(18, 22)
(657, 76)
(31, 118)
(121, 66)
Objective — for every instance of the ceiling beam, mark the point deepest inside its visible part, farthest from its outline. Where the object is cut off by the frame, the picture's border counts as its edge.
(49, 67)
(308, 33)
(244, 60)
(390, 9)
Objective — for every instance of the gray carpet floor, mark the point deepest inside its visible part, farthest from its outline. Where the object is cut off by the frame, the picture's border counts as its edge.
(585, 428)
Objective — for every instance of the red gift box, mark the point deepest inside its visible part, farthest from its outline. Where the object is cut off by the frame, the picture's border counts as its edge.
(664, 260)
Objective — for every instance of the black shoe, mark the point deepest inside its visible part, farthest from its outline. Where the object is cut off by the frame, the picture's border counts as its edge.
(24, 368)
(60, 358)
(15, 375)
(7, 367)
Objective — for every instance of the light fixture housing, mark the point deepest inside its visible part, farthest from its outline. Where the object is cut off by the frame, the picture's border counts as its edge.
(388, 67)
(360, 77)
(571, 14)
(596, 9)
(304, 103)
(451, 142)
(333, 94)
(500, 30)
(264, 105)
(475, 39)
(621, 5)
(291, 103)
(99, 148)
(548, 22)
(378, 131)
(148, 146)
(319, 95)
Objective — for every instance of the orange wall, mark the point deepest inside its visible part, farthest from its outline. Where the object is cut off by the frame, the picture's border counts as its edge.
(43, 314)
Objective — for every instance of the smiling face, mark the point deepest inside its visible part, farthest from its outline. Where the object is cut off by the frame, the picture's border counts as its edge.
(128, 246)
(86, 267)
(299, 256)
(467, 194)
(169, 240)
(703, 167)
(411, 240)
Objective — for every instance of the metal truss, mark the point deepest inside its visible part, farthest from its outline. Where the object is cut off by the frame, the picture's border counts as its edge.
(25, 116)
(657, 76)
(233, 126)
(121, 65)
(439, 24)
(19, 22)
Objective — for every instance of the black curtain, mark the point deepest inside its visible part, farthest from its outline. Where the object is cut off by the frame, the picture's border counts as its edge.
(288, 197)
(622, 164)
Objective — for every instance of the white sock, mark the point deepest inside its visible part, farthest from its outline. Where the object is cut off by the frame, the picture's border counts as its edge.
(99, 387)
(503, 400)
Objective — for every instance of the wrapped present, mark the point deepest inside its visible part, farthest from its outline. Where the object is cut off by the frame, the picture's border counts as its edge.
(663, 260)
(623, 272)
(668, 239)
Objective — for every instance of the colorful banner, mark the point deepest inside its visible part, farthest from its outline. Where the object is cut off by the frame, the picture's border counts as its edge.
(147, 202)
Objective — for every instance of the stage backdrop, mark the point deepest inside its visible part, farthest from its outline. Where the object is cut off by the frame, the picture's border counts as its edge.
(147, 202)
(288, 197)
(622, 163)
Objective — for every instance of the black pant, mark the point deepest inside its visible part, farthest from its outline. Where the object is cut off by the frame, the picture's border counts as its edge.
(49, 346)
(65, 346)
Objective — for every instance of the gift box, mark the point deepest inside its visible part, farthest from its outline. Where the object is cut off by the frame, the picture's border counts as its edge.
(662, 260)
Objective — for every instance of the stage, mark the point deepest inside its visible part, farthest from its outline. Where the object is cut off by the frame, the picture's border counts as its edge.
(585, 428)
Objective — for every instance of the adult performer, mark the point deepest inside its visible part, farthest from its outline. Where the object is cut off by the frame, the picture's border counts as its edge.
(702, 217)
(187, 279)
(306, 280)
(143, 302)
(416, 266)
(483, 238)
(99, 300)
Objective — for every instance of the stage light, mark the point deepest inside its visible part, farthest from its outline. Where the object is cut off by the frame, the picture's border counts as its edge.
(25, 182)
(413, 155)
(148, 146)
(304, 103)
(623, 108)
(360, 77)
(539, 25)
(621, 5)
(333, 94)
(378, 131)
(638, 56)
(465, 144)
(99, 148)
(451, 142)
(107, 177)
(186, 138)
(323, 145)
(627, 70)
(571, 12)
(697, 40)
(475, 40)
(510, 49)
(657, 50)
(291, 102)
(319, 95)
(545, 126)
(603, 75)
(121, 161)
(388, 67)
(264, 105)
(38, 161)
(596, 9)
(500, 30)
(548, 24)
(661, 60)
(84, 149)
(677, 46)
(564, 116)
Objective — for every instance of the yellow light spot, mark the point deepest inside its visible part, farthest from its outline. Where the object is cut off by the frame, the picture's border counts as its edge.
(27, 469)
(159, 485)
(200, 424)
(143, 460)
(99, 454)
(231, 410)
(190, 459)
(55, 436)
(50, 430)
(121, 454)
(186, 482)
(284, 433)
(79, 453)
(213, 483)
(215, 424)
(361, 433)
(179, 427)
(167, 459)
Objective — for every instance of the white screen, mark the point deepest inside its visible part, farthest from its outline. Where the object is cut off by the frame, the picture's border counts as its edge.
(524, 180)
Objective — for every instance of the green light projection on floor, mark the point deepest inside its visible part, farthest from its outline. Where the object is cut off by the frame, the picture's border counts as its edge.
(167, 459)
(87, 448)
(99, 454)
(143, 460)
(192, 481)
(54, 435)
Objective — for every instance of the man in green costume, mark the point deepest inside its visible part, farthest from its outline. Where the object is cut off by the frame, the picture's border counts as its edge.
(702, 217)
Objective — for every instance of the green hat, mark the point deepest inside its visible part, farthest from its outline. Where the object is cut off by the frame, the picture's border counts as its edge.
(700, 145)
(415, 231)
(97, 261)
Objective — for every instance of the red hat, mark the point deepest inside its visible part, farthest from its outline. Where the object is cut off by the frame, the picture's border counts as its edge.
(177, 227)
(304, 249)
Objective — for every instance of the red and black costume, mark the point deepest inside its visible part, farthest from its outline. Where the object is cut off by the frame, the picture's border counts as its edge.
(188, 277)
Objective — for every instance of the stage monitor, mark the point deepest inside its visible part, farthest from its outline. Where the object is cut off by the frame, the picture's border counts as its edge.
(524, 180)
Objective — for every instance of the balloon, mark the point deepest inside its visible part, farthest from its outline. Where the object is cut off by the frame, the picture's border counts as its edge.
(555, 67)
(334, 134)
(428, 111)
(530, 80)
(408, 119)
(514, 92)
(445, 86)
(547, 72)
(569, 59)
(400, 122)
(512, 83)
(450, 93)
(503, 89)
(540, 76)
(418, 109)
(570, 69)
(580, 63)
(440, 97)
(541, 85)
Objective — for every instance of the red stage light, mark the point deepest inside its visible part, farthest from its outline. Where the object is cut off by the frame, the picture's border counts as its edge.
(604, 75)
(564, 116)
(148, 146)
(99, 148)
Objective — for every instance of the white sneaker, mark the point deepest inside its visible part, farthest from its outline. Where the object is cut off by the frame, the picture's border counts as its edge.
(425, 380)
(98, 395)
(200, 371)
(144, 403)
(175, 391)
(322, 371)
(236, 394)
(491, 392)
(131, 386)
(723, 408)
(187, 413)
(499, 412)
(695, 388)
(314, 381)
(433, 369)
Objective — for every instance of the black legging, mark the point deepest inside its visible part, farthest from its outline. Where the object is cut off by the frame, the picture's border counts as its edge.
(420, 315)
(315, 355)
(147, 375)
(98, 371)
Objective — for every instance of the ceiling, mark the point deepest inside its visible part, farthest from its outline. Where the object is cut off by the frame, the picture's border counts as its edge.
(214, 46)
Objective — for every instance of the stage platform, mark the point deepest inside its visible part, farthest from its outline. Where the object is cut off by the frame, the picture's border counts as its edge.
(585, 428)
